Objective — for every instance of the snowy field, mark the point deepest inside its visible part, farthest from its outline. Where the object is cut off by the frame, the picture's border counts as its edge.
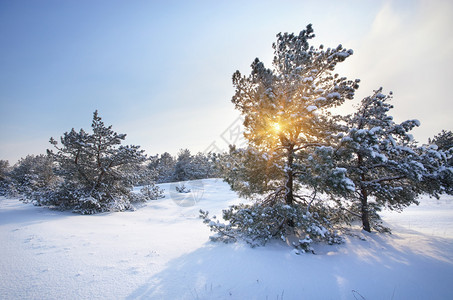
(162, 251)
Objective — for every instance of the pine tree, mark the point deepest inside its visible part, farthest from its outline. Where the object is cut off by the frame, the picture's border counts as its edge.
(164, 166)
(383, 161)
(96, 168)
(249, 172)
(183, 167)
(202, 166)
(286, 116)
(4, 169)
(286, 108)
(444, 143)
(4, 177)
(443, 140)
(32, 176)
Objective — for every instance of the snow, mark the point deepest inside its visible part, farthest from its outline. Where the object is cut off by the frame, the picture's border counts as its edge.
(347, 139)
(334, 95)
(311, 108)
(350, 186)
(162, 251)
(375, 129)
(307, 79)
(342, 54)
(375, 154)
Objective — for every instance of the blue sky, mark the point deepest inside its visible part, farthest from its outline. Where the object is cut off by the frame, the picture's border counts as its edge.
(160, 71)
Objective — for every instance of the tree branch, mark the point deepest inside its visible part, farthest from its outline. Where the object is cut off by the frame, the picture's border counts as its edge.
(309, 145)
(384, 179)
(351, 212)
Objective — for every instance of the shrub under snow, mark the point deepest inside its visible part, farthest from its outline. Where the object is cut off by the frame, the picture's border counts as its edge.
(257, 224)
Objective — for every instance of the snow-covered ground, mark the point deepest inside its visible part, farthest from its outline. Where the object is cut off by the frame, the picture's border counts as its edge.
(162, 251)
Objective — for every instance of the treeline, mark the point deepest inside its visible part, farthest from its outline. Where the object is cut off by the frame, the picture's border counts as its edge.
(185, 166)
(92, 172)
(36, 172)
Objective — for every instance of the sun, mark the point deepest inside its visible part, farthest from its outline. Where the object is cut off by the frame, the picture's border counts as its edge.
(276, 127)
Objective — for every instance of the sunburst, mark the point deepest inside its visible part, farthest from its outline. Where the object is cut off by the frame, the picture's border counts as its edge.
(276, 127)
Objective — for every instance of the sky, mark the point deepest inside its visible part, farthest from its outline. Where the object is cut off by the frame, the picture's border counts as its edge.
(160, 71)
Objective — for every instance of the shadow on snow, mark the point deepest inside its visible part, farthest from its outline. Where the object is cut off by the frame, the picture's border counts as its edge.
(384, 266)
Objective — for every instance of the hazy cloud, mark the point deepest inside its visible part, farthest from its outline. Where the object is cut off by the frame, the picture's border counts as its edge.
(409, 50)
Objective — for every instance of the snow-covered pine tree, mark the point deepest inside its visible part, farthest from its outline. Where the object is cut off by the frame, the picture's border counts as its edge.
(443, 140)
(228, 166)
(4, 177)
(384, 162)
(286, 114)
(211, 160)
(164, 166)
(203, 166)
(4, 169)
(286, 108)
(96, 169)
(183, 167)
(191, 167)
(33, 176)
(249, 172)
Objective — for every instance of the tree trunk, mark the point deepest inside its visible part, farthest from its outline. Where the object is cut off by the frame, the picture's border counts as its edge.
(289, 197)
(363, 198)
(365, 214)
